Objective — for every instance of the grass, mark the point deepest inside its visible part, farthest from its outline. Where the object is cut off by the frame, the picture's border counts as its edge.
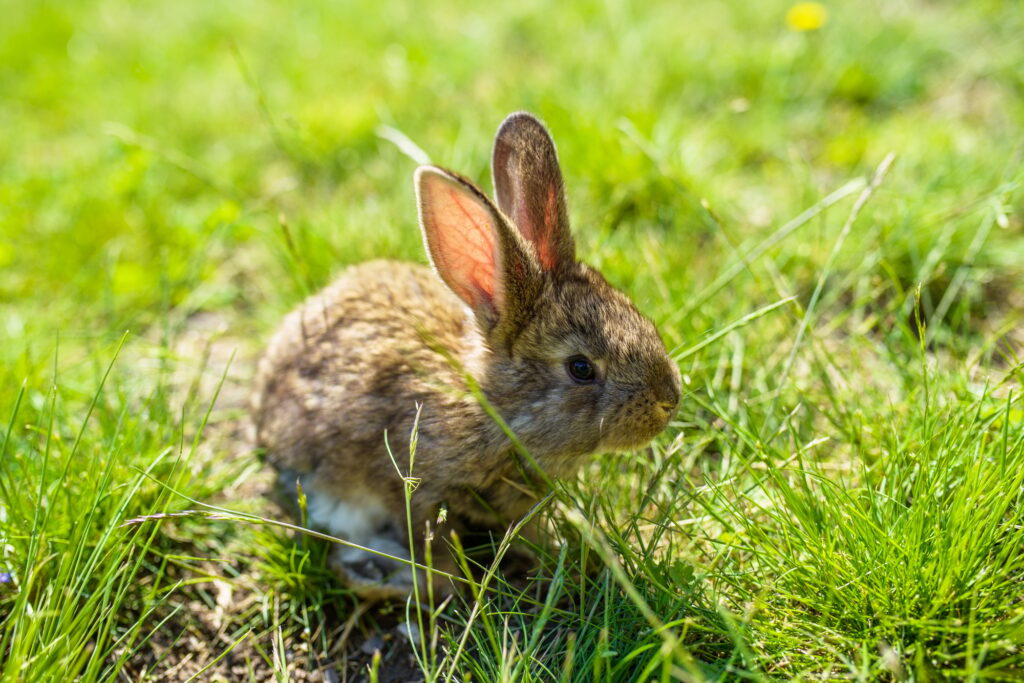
(841, 493)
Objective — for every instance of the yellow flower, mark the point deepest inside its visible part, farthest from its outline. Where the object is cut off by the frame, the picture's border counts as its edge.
(806, 16)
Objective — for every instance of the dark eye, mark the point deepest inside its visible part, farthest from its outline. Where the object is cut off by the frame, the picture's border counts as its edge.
(581, 369)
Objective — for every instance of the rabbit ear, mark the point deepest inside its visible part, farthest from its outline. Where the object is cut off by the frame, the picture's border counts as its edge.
(474, 249)
(528, 183)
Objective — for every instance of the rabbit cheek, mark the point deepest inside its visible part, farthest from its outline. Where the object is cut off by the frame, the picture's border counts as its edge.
(577, 423)
(559, 426)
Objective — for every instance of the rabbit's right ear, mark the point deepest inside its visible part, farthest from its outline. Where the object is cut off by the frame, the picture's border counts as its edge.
(481, 258)
(528, 184)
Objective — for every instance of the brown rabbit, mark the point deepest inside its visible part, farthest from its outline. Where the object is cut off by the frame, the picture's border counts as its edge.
(567, 361)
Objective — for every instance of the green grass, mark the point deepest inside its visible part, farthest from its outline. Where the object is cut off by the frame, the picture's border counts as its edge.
(841, 494)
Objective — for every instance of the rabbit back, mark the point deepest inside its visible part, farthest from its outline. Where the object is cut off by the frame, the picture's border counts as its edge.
(357, 362)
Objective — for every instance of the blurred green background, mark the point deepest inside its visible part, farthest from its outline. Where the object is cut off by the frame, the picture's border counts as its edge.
(151, 149)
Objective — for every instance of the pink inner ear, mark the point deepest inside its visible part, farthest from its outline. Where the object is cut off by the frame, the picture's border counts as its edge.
(464, 245)
(539, 235)
(546, 250)
(521, 210)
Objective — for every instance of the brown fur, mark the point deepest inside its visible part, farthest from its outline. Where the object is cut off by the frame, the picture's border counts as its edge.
(386, 339)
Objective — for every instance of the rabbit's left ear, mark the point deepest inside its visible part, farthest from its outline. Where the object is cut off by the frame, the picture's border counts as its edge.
(528, 184)
(481, 258)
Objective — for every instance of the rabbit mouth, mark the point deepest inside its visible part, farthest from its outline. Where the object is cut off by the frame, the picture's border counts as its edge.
(632, 431)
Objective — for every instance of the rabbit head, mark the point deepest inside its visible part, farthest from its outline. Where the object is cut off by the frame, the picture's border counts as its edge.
(567, 360)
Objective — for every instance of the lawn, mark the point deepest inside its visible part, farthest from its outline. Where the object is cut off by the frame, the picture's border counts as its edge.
(819, 205)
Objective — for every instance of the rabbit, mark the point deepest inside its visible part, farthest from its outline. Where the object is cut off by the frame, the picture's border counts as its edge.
(567, 362)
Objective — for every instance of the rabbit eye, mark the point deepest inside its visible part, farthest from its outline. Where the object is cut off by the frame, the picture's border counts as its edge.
(581, 370)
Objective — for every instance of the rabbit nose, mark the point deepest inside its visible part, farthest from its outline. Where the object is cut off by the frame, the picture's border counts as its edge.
(668, 395)
(667, 409)
(667, 400)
